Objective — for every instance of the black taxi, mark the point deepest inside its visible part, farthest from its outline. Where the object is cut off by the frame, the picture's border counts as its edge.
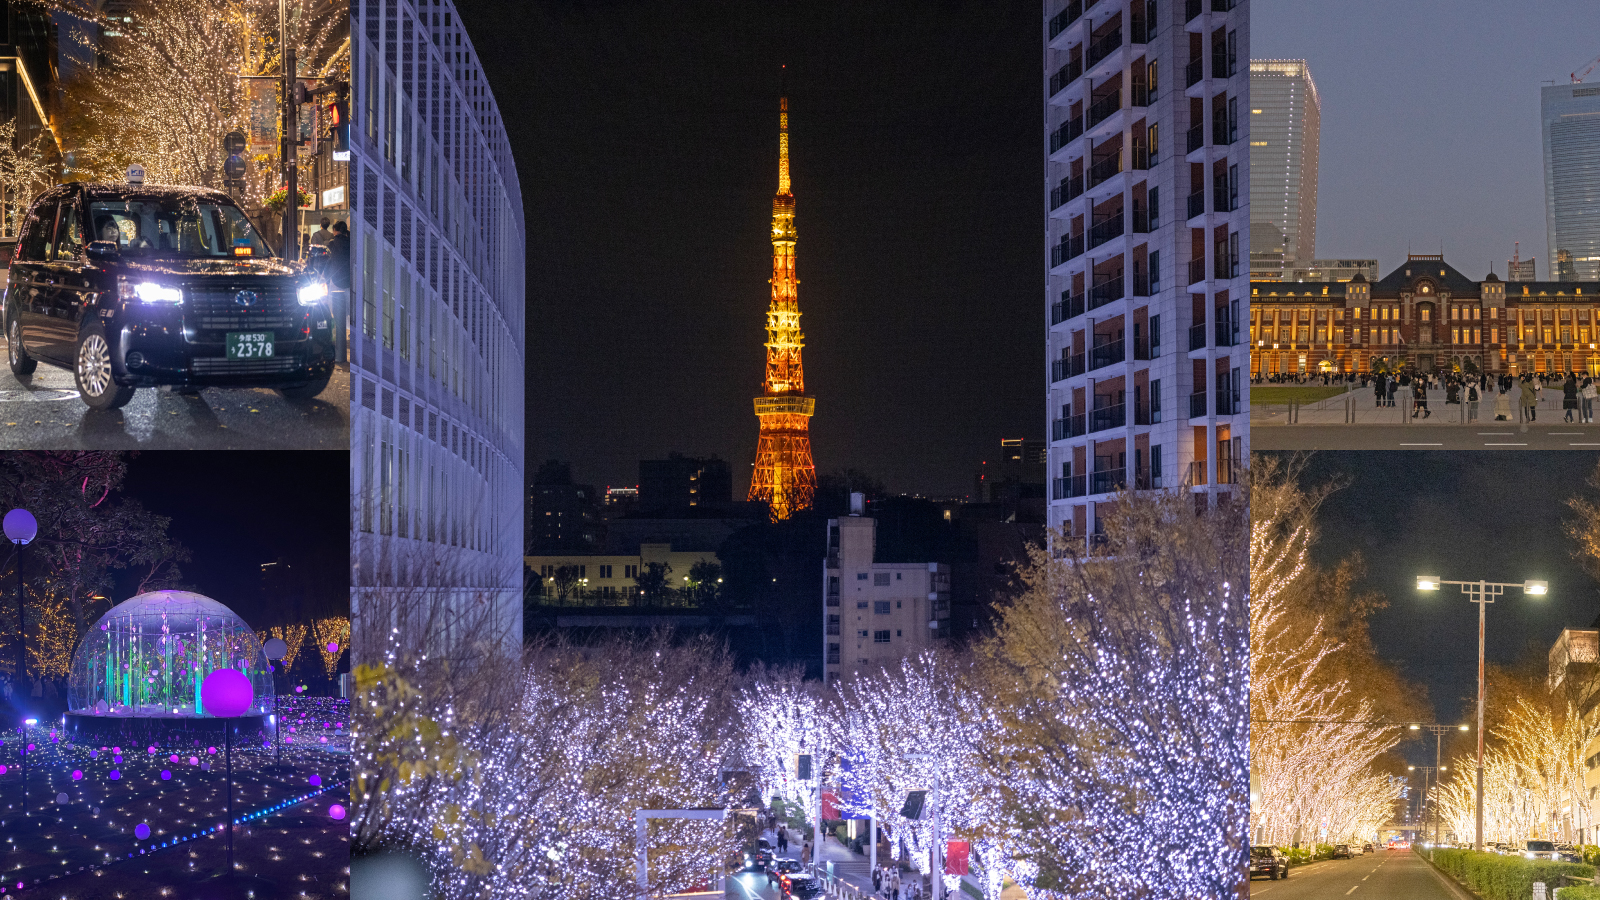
(133, 285)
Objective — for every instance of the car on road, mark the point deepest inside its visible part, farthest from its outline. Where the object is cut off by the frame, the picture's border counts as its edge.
(1541, 850)
(1268, 861)
(801, 886)
(1341, 851)
(759, 856)
(779, 868)
(1367, 848)
(134, 285)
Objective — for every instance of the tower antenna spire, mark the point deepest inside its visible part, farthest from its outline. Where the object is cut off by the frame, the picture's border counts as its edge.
(783, 134)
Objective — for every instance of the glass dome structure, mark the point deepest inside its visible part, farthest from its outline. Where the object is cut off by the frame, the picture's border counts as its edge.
(147, 657)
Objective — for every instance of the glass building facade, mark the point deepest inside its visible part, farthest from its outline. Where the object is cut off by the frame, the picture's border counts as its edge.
(1285, 133)
(1570, 126)
(437, 309)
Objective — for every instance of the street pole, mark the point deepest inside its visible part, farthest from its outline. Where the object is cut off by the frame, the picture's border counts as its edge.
(227, 743)
(22, 640)
(1483, 606)
(936, 855)
(291, 140)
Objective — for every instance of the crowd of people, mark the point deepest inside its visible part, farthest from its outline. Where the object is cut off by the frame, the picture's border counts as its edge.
(1509, 395)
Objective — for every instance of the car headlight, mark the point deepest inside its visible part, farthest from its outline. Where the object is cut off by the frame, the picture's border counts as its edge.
(313, 293)
(151, 292)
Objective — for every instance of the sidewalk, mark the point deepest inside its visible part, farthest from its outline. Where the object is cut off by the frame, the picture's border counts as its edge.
(1359, 405)
(855, 869)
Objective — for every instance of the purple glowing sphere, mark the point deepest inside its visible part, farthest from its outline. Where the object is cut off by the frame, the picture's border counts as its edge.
(227, 693)
(2, 770)
(141, 831)
(115, 775)
(333, 646)
(166, 775)
(336, 811)
(316, 781)
(77, 774)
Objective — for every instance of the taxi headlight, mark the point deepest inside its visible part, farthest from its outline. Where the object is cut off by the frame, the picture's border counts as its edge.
(151, 292)
(312, 293)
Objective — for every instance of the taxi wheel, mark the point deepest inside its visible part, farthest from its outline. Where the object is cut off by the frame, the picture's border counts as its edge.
(92, 371)
(308, 391)
(21, 363)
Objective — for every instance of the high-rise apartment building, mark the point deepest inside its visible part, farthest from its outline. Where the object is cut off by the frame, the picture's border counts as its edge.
(1570, 127)
(436, 359)
(1146, 106)
(1285, 130)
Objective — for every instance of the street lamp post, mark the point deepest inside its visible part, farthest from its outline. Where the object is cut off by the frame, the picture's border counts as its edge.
(935, 854)
(1431, 815)
(1438, 760)
(1483, 594)
(20, 528)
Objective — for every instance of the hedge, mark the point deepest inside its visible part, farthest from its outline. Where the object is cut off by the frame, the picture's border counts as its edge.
(1578, 892)
(1498, 877)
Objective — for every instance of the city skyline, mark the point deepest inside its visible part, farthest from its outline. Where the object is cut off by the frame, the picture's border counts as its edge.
(1436, 117)
(650, 228)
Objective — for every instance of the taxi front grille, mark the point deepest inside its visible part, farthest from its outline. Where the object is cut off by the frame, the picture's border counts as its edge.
(269, 366)
(219, 309)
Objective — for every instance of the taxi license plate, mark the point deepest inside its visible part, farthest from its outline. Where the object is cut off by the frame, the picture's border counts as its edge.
(249, 344)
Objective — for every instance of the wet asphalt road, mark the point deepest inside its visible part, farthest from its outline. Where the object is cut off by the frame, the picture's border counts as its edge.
(43, 412)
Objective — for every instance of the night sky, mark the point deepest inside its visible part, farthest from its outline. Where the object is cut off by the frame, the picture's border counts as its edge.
(235, 510)
(1461, 515)
(1430, 119)
(646, 142)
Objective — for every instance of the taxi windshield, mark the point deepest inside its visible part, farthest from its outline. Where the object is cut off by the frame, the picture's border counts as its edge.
(180, 227)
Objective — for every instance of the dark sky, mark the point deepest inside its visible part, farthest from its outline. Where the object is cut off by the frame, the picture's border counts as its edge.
(1430, 119)
(235, 510)
(1461, 515)
(646, 142)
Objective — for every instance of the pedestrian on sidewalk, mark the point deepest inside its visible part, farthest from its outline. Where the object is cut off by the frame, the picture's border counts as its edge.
(1419, 393)
(1587, 394)
(1530, 399)
(1569, 396)
(1502, 402)
(1472, 402)
(877, 880)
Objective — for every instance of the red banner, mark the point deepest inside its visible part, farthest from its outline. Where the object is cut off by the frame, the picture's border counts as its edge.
(955, 857)
(830, 805)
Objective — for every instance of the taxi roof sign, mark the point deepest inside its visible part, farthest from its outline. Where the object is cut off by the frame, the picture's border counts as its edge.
(136, 174)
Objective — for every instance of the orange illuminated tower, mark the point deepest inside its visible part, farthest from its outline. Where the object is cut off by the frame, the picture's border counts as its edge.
(784, 477)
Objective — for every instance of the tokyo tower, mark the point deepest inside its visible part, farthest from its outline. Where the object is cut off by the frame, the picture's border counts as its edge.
(784, 477)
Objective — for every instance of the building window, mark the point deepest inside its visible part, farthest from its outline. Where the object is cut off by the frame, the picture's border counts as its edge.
(898, 604)
(880, 637)
(861, 576)
(1155, 321)
(630, 571)
(880, 608)
(898, 633)
(862, 633)
(880, 579)
(861, 604)
(1155, 394)
(897, 576)
(1155, 450)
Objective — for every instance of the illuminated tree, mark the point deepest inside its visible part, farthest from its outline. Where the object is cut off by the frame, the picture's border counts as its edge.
(1121, 698)
(781, 716)
(331, 631)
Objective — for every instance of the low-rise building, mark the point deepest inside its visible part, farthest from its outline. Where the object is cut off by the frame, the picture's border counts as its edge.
(877, 614)
(655, 576)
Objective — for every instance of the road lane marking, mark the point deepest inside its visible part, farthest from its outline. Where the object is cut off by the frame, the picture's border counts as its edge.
(1489, 444)
(1421, 445)
(1582, 445)
(1495, 433)
(1351, 891)
(1563, 433)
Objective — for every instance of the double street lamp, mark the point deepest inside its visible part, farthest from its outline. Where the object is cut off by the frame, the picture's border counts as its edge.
(1482, 593)
(1431, 815)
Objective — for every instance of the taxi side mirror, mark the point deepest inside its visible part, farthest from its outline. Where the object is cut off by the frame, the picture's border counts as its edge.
(103, 250)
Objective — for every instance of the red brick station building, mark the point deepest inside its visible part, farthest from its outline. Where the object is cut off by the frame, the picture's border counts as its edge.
(1427, 316)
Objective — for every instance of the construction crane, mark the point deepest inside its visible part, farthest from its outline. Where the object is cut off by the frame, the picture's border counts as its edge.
(1577, 77)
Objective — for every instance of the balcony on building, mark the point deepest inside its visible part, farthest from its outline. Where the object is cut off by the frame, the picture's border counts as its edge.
(1067, 74)
(1141, 222)
(1068, 487)
(1062, 20)
(1105, 40)
(1195, 138)
(1067, 428)
(1197, 271)
(1197, 204)
(1227, 335)
(1107, 162)
(1111, 415)
(1070, 189)
(1071, 247)
(1070, 306)
(1107, 289)
(1197, 336)
(1106, 225)
(1197, 405)
(1109, 353)
(1191, 9)
(1108, 482)
(1223, 197)
(1066, 367)
(1192, 73)
(1069, 131)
